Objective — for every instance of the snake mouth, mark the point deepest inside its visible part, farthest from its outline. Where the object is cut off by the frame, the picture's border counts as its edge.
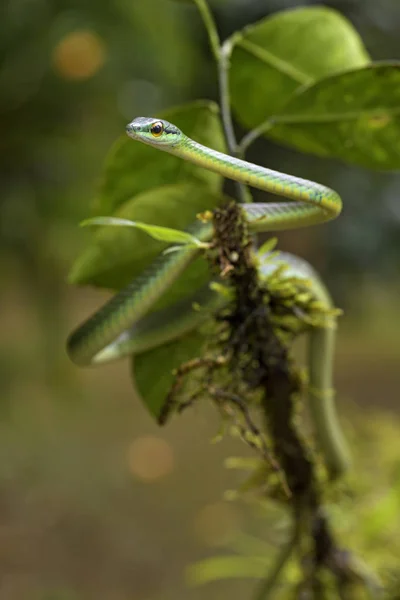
(132, 129)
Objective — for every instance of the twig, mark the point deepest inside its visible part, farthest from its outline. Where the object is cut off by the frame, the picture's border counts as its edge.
(222, 55)
(267, 585)
(230, 397)
(252, 135)
(224, 95)
(180, 373)
(211, 29)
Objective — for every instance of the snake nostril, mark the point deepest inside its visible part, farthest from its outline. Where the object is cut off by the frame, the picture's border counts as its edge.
(131, 128)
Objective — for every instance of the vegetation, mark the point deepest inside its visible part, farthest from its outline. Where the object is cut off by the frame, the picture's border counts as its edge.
(96, 499)
(302, 78)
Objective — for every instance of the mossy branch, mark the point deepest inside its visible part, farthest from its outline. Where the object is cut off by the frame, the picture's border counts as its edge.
(247, 369)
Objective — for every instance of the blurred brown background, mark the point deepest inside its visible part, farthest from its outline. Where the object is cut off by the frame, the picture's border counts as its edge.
(96, 502)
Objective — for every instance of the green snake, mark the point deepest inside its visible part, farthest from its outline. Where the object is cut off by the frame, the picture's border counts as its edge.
(123, 326)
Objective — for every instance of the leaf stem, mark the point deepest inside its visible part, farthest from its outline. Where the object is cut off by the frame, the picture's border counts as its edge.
(253, 135)
(296, 119)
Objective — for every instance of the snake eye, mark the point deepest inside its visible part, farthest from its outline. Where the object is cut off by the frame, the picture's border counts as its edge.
(157, 129)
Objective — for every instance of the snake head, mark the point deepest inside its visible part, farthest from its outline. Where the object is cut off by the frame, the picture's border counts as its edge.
(155, 132)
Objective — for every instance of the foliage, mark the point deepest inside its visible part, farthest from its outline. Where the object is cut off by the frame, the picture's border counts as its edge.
(372, 494)
(320, 94)
(74, 513)
(332, 103)
(282, 53)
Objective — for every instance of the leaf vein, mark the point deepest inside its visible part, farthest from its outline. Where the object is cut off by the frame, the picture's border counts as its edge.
(280, 65)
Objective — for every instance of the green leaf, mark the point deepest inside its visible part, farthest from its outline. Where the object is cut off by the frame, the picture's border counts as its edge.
(267, 246)
(277, 55)
(152, 371)
(133, 168)
(163, 234)
(227, 567)
(118, 254)
(353, 116)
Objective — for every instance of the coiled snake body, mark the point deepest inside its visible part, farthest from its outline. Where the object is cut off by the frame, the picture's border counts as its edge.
(121, 326)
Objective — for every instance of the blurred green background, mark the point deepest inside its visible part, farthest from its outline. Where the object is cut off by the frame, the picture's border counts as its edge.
(96, 502)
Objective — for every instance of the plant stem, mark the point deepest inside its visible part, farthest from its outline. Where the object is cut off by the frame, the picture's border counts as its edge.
(222, 55)
(211, 29)
(273, 120)
(267, 585)
(253, 135)
(224, 96)
(243, 192)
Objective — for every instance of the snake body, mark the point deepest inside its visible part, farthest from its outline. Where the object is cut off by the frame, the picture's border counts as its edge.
(121, 327)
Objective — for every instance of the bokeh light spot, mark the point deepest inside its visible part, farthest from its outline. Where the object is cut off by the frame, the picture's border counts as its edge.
(79, 55)
(150, 458)
(216, 523)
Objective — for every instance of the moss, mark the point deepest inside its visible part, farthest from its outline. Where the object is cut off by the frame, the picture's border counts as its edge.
(248, 372)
